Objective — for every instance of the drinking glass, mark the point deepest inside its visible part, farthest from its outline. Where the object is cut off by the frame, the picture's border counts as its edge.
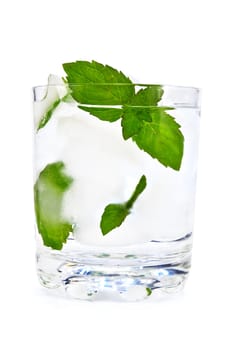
(114, 190)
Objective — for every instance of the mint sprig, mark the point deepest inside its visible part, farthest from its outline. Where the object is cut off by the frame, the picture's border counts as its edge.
(115, 214)
(147, 124)
(49, 191)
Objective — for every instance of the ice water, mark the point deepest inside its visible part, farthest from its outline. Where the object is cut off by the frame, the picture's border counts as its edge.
(151, 250)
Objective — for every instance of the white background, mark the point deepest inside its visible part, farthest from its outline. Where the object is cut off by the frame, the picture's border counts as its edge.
(177, 42)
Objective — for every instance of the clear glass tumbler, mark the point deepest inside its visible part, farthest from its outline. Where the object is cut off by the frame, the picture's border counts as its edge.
(114, 189)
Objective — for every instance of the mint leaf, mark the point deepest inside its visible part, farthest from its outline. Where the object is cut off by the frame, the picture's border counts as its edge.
(46, 117)
(115, 214)
(132, 120)
(162, 139)
(104, 84)
(153, 130)
(105, 114)
(148, 291)
(134, 114)
(55, 93)
(49, 190)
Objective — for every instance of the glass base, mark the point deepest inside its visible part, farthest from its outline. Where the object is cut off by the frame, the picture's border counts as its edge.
(113, 274)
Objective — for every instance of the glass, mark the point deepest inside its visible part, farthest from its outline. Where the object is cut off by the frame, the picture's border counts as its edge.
(83, 163)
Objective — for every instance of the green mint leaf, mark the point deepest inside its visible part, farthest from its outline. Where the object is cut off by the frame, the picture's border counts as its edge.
(105, 114)
(49, 190)
(115, 214)
(107, 92)
(46, 117)
(148, 291)
(132, 120)
(162, 139)
(134, 114)
(48, 114)
(56, 93)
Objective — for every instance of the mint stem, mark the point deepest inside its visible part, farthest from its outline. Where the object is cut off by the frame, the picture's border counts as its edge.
(140, 187)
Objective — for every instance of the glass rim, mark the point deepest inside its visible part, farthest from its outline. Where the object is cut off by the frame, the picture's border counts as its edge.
(169, 86)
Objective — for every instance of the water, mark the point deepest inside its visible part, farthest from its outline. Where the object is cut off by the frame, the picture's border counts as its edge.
(151, 250)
